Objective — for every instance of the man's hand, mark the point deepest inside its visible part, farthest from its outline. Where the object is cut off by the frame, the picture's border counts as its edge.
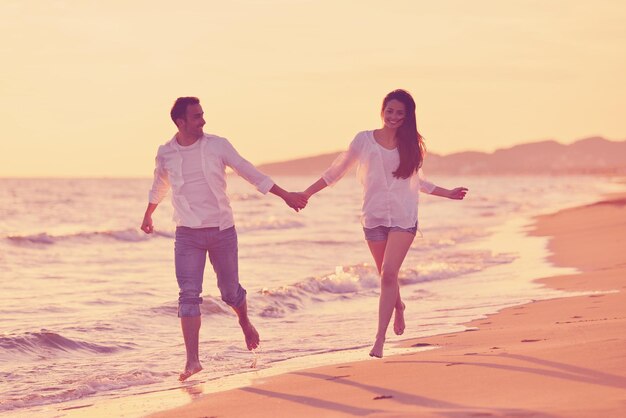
(458, 193)
(296, 201)
(146, 225)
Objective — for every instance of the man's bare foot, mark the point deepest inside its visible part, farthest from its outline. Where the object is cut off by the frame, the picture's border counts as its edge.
(190, 370)
(398, 320)
(377, 349)
(252, 336)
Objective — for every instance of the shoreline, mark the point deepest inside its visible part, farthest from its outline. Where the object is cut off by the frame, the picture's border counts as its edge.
(537, 359)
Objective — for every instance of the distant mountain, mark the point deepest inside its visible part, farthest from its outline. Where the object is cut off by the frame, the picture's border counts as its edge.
(301, 166)
(593, 155)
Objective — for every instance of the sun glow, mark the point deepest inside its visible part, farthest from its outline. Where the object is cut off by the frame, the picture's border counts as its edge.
(88, 86)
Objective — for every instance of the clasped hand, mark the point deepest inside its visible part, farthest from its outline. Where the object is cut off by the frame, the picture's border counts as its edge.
(296, 200)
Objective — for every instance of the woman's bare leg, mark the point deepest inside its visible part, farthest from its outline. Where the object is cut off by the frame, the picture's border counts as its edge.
(377, 248)
(398, 244)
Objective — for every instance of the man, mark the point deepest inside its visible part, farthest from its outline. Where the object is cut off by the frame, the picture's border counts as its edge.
(193, 165)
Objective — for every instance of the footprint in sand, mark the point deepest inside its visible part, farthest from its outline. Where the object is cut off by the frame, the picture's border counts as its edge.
(421, 345)
(337, 377)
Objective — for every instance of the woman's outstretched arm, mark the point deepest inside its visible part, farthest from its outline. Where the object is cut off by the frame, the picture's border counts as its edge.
(457, 193)
(315, 187)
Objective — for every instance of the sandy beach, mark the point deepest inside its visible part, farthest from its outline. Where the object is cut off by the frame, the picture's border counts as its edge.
(555, 358)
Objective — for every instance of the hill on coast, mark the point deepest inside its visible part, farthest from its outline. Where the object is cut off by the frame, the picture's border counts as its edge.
(594, 155)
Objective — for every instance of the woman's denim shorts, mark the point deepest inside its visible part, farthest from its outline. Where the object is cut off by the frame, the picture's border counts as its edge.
(380, 233)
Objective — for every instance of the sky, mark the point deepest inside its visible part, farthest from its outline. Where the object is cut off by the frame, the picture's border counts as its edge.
(86, 86)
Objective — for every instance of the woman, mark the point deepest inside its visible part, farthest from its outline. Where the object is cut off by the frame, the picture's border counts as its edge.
(389, 161)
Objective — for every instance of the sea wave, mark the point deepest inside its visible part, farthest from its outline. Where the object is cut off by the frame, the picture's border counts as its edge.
(269, 224)
(210, 306)
(362, 279)
(46, 343)
(84, 384)
(441, 237)
(135, 234)
(245, 196)
(275, 303)
(123, 235)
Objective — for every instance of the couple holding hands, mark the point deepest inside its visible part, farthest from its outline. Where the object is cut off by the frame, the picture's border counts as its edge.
(193, 164)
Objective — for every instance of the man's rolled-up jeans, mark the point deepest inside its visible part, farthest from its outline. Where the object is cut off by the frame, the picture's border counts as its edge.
(190, 251)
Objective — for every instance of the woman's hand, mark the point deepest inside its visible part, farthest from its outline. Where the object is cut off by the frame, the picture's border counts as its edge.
(296, 201)
(458, 193)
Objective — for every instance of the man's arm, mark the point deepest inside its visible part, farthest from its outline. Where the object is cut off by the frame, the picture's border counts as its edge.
(245, 168)
(146, 225)
(263, 183)
(160, 187)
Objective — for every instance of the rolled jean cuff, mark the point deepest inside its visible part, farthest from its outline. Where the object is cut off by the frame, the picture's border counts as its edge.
(189, 307)
(236, 301)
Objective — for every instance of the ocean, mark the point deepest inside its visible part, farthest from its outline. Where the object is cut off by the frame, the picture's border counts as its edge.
(88, 302)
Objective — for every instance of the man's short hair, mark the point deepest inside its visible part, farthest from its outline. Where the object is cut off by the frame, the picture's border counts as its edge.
(179, 110)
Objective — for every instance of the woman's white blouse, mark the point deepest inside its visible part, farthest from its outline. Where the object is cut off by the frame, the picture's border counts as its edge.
(387, 200)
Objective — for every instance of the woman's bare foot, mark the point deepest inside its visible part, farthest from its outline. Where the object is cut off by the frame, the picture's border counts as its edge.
(398, 320)
(251, 334)
(377, 349)
(190, 370)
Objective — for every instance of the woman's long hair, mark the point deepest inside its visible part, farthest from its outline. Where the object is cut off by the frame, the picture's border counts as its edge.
(410, 143)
